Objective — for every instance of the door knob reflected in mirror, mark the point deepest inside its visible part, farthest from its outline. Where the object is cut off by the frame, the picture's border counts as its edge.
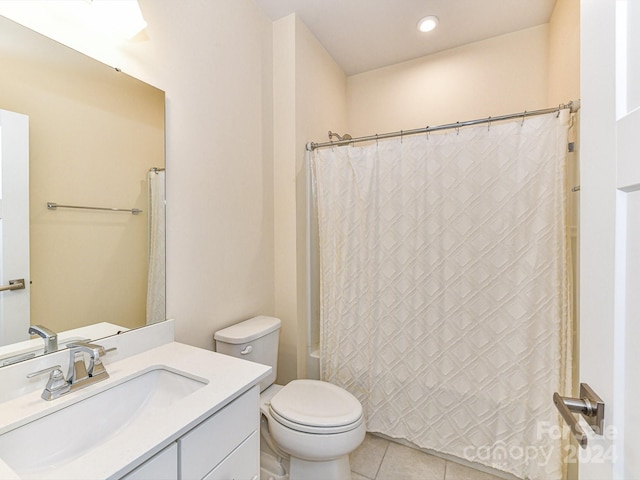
(17, 284)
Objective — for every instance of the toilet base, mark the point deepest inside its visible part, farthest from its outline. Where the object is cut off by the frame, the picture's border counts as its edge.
(271, 468)
(337, 469)
(268, 475)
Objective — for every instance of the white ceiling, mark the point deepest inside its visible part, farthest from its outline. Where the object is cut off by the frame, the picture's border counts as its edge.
(363, 35)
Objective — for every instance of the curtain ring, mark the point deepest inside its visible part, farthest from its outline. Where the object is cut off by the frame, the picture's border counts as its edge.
(524, 114)
(489, 124)
(559, 106)
(426, 129)
(458, 129)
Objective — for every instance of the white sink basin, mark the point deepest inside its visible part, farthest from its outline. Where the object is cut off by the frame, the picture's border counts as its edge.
(45, 445)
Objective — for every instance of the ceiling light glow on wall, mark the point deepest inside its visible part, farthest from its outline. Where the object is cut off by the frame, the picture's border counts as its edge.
(428, 23)
(113, 19)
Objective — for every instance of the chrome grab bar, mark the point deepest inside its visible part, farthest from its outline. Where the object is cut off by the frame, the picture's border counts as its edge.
(17, 284)
(589, 405)
(54, 206)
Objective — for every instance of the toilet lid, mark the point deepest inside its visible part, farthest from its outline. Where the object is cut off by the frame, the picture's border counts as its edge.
(317, 404)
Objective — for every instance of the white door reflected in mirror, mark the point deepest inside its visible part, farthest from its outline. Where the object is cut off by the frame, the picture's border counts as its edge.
(14, 225)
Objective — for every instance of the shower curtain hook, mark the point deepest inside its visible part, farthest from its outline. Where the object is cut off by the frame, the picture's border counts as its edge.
(489, 124)
(427, 132)
(458, 128)
(524, 114)
(377, 140)
(559, 107)
(401, 136)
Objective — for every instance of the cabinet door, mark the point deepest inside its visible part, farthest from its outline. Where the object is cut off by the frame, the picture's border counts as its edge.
(162, 466)
(242, 464)
(213, 440)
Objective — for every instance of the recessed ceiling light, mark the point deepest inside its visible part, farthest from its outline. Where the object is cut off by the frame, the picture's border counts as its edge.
(428, 23)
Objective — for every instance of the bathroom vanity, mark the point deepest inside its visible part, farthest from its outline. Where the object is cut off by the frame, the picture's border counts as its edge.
(167, 411)
(225, 445)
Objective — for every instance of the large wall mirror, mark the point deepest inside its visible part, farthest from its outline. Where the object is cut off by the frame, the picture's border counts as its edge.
(96, 139)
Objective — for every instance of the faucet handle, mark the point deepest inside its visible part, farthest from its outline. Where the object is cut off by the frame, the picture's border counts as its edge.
(57, 384)
(98, 367)
(44, 370)
(91, 348)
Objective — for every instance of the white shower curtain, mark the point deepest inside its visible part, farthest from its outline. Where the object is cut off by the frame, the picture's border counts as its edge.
(445, 288)
(156, 247)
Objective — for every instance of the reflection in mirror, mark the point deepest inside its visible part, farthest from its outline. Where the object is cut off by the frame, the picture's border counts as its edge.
(96, 138)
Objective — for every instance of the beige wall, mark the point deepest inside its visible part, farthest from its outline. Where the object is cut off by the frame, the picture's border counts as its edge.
(525, 70)
(213, 58)
(500, 75)
(94, 134)
(564, 85)
(285, 202)
(310, 99)
(321, 92)
(243, 97)
(564, 52)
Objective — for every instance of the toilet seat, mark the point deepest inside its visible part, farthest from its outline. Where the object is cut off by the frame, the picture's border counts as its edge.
(314, 406)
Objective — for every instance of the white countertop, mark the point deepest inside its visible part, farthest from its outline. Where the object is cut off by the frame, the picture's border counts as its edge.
(227, 378)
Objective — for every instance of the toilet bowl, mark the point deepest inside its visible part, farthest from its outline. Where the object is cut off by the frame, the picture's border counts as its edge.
(311, 425)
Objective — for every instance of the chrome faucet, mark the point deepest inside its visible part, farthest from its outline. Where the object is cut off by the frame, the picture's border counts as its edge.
(80, 375)
(50, 337)
(78, 370)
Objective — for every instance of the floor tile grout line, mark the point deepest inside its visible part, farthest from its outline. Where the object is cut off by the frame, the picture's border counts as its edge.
(386, 449)
(447, 463)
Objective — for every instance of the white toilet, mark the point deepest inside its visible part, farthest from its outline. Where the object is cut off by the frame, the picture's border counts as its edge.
(312, 424)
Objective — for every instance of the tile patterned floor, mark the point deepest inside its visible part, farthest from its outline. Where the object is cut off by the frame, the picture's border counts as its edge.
(381, 459)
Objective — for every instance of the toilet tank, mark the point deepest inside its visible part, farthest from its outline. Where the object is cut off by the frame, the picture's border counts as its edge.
(255, 340)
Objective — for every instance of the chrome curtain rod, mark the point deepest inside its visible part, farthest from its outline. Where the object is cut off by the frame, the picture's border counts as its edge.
(573, 105)
(133, 211)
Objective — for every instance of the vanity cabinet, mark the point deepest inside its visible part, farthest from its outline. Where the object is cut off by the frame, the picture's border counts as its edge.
(240, 464)
(225, 446)
(162, 466)
(215, 439)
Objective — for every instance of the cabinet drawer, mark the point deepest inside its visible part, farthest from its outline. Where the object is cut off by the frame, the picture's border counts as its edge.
(162, 466)
(242, 464)
(209, 443)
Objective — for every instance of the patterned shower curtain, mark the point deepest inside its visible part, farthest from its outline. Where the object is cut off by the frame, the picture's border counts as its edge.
(156, 247)
(445, 288)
